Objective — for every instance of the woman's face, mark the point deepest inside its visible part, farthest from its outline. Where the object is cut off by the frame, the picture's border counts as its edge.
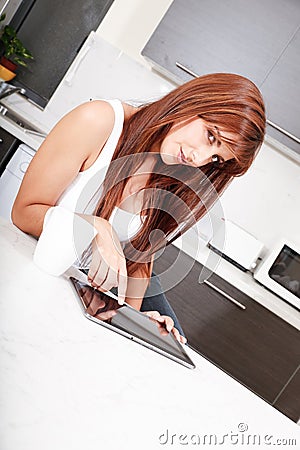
(192, 142)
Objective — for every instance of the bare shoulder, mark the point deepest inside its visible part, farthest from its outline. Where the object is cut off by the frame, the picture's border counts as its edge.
(82, 132)
(93, 121)
(97, 114)
(101, 113)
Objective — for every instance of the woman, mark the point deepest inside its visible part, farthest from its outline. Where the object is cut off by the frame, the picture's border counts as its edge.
(167, 163)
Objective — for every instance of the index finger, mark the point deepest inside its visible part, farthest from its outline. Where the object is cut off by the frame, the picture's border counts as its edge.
(169, 323)
(122, 286)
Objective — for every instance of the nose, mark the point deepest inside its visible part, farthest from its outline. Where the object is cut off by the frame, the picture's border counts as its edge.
(199, 157)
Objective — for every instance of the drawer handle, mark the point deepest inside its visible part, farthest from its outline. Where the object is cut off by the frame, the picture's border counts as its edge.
(283, 131)
(185, 69)
(240, 305)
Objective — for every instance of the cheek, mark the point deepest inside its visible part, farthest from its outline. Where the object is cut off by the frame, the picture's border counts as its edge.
(168, 151)
(166, 145)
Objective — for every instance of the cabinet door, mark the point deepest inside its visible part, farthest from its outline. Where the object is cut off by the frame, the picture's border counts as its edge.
(281, 91)
(288, 401)
(253, 345)
(223, 36)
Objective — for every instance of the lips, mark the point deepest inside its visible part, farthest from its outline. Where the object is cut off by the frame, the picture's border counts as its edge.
(181, 157)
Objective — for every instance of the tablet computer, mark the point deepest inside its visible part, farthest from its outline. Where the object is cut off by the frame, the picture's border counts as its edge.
(104, 309)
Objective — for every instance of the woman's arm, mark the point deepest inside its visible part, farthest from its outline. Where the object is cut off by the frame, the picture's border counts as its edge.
(72, 145)
(136, 287)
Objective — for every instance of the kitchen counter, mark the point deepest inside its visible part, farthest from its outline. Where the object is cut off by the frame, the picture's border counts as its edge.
(30, 139)
(67, 383)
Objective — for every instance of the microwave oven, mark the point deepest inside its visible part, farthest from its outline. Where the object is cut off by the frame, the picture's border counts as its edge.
(280, 272)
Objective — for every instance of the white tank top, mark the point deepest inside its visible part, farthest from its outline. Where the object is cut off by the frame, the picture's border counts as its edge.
(83, 194)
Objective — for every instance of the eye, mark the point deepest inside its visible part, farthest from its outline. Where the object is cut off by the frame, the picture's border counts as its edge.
(211, 137)
(217, 160)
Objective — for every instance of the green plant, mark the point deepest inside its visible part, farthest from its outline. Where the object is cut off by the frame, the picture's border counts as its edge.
(13, 47)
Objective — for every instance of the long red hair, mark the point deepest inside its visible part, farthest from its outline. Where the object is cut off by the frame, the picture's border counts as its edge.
(177, 196)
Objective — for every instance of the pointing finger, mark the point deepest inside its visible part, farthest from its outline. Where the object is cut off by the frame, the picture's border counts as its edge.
(122, 286)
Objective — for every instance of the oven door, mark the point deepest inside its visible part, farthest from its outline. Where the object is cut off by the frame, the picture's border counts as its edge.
(11, 178)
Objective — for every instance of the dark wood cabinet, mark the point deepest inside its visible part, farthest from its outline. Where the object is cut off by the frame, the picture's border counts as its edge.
(257, 39)
(288, 399)
(253, 345)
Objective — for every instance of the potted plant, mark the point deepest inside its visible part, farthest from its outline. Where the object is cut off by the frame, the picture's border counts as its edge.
(12, 51)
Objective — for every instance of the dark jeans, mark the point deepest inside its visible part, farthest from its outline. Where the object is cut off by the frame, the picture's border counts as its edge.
(155, 300)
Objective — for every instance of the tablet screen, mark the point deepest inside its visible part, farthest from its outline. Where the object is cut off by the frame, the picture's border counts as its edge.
(104, 309)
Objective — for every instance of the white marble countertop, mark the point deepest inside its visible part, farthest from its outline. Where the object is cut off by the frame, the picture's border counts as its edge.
(68, 383)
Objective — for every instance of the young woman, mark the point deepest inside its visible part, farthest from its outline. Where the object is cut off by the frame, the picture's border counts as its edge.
(149, 173)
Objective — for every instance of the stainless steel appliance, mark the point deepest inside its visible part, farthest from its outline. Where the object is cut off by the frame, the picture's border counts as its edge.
(280, 271)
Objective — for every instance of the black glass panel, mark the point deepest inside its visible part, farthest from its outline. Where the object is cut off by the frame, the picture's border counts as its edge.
(286, 270)
(54, 31)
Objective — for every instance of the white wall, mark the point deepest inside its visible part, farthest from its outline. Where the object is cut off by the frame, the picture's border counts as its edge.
(129, 24)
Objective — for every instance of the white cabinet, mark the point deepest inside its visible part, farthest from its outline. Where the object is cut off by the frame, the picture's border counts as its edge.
(11, 178)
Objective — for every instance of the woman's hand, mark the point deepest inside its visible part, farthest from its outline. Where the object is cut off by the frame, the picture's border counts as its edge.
(108, 266)
(165, 325)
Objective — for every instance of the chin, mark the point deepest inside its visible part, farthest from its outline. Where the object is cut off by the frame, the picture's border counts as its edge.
(169, 160)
